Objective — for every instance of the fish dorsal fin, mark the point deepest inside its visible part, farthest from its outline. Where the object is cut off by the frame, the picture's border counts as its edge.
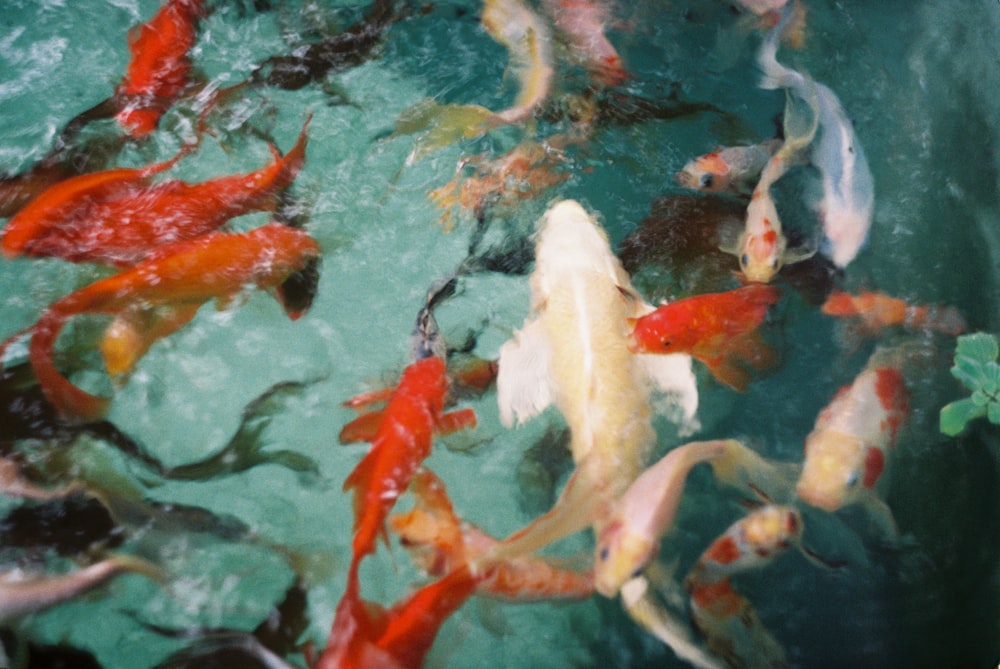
(524, 384)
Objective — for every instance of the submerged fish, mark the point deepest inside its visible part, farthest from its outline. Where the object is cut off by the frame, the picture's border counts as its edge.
(730, 169)
(215, 266)
(583, 23)
(847, 450)
(875, 311)
(573, 352)
(719, 329)
(158, 71)
(115, 218)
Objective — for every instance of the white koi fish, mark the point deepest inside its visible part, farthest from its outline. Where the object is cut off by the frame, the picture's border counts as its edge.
(846, 451)
(631, 535)
(21, 595)
(583, 23)
(573, 352)
(727, 169)
(848, 188)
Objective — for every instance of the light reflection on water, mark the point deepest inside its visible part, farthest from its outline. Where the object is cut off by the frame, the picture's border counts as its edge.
(920, 85)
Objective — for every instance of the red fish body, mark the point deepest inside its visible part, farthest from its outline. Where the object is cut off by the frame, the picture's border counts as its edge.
(115, 217)
(159, 68)
(876, 311)
(402, 440)
(719, 329)
(214, 266)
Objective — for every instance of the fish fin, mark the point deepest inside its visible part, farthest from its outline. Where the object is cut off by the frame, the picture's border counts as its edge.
(882, 516)
(742, 355)
(524, 385)
(792, 256)
(133, 331)
(673, 376)
(743, 468)
(371, 397)
(440, 125)
(455, 420)
(362, 428)
(644, 608)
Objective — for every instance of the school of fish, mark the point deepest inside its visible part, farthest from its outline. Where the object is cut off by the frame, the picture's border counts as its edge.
(605, 362)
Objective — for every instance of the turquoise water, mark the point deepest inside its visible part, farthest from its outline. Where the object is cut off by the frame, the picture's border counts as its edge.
(919, 80)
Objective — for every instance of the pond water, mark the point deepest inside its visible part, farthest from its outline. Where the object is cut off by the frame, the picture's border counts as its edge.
(918, 79)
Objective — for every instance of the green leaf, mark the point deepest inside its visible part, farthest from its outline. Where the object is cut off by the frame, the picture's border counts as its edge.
(993, 412)
(981, 346)
(955, 415)
(975, 361)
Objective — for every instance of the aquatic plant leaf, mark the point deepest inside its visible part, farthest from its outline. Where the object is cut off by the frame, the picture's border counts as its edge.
(975, 360)
(955, 415)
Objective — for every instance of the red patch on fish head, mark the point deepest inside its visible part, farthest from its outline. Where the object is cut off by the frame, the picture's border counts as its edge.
(724, 550)
(874, 466)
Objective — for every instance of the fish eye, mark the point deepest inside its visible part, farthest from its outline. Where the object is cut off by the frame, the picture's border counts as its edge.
(665, 343)
(637, 571)
(604, 554)
(745, 259)
(707, 180)
(774, 263)
(853, 478)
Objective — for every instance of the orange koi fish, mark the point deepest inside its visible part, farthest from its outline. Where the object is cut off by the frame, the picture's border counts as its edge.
(214, 266)
(115, 218)
(159, 68)
(719, 329)
(440, 542)
(847, 449)
(583, 24)
(402, 440)
(876, 311)
(365, 636)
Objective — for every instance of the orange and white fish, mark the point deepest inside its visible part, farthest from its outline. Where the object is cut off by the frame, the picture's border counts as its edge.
(631, 535)
(366, 636)
(583, 23)
(440, 542)
(160, 64)
(402, 440)
(847, 450)
(729, 169)
(720, 330)
(115, 218)
(848, 200)
(573, 352)
(215, 266)
(21, 594)
(875, 311)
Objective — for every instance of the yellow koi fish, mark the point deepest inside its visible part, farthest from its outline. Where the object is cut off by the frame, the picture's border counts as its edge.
(573, 352)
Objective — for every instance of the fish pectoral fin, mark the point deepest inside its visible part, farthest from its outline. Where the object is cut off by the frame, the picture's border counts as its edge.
(743, 355)
(133, 331)
(792, 256)
(455, 420)
(672, 375)
(362, 428)
(524, 384)
(882, 516)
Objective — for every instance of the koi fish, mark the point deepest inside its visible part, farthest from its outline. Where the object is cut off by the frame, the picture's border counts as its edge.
(573, 352)
(583, 23)
(364, 635)
(440, 542)
(114, 218)
(876, 311)
(845, 454)
(216, 265)
(630, 537)
(732, 628)
(402, 440)
(159, 68)
(21, 595)
(750, 543)
(730, 169)
(846, 206)
(718, 329)
(529, 43)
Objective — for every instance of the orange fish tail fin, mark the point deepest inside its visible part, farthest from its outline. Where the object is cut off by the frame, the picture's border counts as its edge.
(294, 159)
(71, 402)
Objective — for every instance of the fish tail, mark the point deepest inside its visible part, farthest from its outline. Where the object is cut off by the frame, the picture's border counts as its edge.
(742, 467)
(72, 402)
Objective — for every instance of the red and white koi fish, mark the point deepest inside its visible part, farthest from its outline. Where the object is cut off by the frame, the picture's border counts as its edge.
(848, 188)
(749, 543)
(846, 451)
(732, 628)
(717, 329)
(440, 542)
(21, 594)
(115, 218)
(876, 311)
(159, 68)
(215, 266)
(402, 440)
(583, 23)
(573, 351)
(630, 536)
(365, 636)
(730, 169)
